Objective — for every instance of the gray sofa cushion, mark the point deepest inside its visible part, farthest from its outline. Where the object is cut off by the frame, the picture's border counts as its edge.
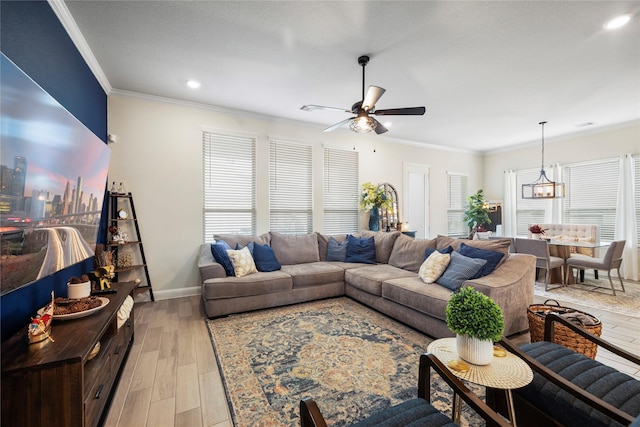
(412, 292)
(384, 243)
(408, 253)
(253, 284)
(370, 277)
(612, 386)
(295, 249)
(313, 274)
(237, 239)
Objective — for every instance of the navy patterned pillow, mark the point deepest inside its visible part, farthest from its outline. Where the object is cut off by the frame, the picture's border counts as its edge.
(265, 258)
(460, 269)
(219, 252)
(362, 250)
(337, 251)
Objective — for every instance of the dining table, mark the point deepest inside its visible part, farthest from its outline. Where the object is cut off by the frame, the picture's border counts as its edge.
(564, 248)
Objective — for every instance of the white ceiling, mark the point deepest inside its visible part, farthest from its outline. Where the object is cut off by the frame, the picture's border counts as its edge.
(487, 71)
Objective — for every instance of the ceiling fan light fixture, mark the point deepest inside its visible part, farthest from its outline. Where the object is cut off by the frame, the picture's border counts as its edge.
(543, 187)
(362, 124)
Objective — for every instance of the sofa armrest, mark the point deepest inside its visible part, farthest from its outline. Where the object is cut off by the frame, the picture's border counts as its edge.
(208, 267)
(512, 270)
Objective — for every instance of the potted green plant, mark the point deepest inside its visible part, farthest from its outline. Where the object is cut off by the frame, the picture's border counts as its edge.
(476, 213)
(478, 322)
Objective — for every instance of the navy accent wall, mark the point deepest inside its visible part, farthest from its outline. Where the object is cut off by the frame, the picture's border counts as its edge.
(34, 39)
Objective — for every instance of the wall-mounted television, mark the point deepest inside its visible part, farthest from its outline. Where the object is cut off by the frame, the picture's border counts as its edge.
(53, 174)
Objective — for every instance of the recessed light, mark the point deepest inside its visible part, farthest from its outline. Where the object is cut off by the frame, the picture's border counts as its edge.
(388, 124)
(193, 84)
(617, 22)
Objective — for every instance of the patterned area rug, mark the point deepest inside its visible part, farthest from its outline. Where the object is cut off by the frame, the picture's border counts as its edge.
(352, 360)
(597, 294)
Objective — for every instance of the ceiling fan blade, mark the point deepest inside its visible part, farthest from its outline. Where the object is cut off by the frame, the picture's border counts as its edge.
(337, 125)
(312, 107)
(379, 128)
(373, 94)
(412, 111)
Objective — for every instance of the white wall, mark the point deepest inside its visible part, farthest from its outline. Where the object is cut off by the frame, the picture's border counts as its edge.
(158, 156)
(604, 144)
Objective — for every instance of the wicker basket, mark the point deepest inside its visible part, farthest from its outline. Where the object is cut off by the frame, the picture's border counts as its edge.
(536, 314)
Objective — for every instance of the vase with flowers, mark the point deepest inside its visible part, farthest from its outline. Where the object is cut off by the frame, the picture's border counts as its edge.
(372, 198)
(536, 231)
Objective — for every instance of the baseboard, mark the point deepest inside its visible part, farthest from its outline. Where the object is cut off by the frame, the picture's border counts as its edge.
(176, 293)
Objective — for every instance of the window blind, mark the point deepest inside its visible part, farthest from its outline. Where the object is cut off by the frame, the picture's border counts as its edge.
(229, 185)
(528, 211)
(290, 185)
(457, 190)
(591, 195)
(341, 191)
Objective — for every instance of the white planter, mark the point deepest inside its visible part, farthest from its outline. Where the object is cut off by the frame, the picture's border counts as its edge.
(473, 350)
(536, 236)
(78, 290)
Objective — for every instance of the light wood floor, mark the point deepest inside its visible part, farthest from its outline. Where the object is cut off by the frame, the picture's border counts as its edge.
(171, 377)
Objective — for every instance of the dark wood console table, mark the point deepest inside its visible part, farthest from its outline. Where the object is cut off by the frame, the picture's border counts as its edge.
(55, 383)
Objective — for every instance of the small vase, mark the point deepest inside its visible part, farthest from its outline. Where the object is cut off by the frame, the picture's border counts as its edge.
(474, 350)
(536, 236)
(374, 219)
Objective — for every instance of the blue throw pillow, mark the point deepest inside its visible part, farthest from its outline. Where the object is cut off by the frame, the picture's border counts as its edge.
(460, 268)
(265, 258)
(337, 251)
(362, 250)
(446, 250)
(219, 252)
(249, 245)
(493, 258)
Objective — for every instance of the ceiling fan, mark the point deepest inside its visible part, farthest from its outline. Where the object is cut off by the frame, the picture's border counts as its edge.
(362, 122)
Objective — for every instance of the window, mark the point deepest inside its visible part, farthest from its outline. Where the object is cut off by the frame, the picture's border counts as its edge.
(341, 191)
(229, 184)
(591, 195)
(457, 190)
(290, 185)
(528, 211)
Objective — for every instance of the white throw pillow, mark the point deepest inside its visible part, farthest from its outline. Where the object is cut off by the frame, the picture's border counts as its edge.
(433, 267)
(242, 261)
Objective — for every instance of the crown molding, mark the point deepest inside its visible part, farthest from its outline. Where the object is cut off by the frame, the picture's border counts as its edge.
(249, 114)
(69, 24)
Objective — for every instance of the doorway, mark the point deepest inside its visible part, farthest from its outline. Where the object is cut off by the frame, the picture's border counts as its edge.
(416, 198)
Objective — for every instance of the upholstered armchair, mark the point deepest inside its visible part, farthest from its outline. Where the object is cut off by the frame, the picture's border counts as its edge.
(540, 249)
(570, 389)
(611, 259)
(414, 412)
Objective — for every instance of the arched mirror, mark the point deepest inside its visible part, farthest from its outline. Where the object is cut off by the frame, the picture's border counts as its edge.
(390, 217)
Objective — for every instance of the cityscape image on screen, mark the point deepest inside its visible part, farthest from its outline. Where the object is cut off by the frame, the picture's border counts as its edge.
(53, 173)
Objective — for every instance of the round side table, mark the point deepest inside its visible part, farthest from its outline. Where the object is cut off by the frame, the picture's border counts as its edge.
(505, 373)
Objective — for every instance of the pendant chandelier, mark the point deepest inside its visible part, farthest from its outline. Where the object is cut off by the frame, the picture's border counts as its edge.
(543, 187)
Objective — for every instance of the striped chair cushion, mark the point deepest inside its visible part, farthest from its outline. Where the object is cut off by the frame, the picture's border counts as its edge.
(610, 385)
(414, 412)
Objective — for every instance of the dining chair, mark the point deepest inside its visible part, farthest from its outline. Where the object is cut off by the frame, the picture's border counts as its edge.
(540, 249)
(611, 259)
(512, 246)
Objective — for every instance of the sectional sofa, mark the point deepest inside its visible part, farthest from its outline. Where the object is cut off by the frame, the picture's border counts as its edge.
(391, 285)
